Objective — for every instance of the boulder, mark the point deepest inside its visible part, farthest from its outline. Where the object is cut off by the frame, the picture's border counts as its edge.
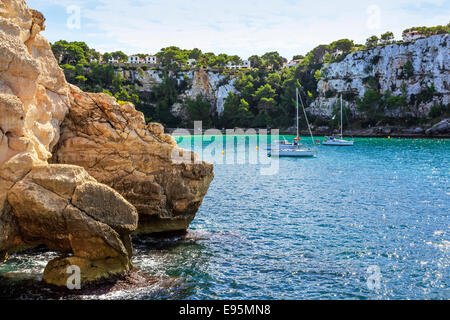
(115, 211)
(49, 207)
(416, 130)
(56, 271)
(442, 127)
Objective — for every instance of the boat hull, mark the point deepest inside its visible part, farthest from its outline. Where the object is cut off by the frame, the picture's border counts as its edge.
(298, 153)
(276, 147)
(337, 142)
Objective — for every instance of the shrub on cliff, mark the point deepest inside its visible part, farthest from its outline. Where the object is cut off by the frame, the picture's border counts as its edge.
(370, 103)
(426, 95)
(73, 52)
(372, 42)
(387, 37)
(438, 110)
(408, 70)
(236, 112)
(163, 97)
(428, 31)
(199, 110)
(393, 102)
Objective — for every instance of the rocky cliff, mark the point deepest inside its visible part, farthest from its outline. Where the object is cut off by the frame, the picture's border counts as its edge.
(402, 69)
(76, 169)
(211, 85)
(415, 72)
(117, 148)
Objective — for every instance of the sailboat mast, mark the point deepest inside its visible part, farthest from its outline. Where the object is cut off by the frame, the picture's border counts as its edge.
(306, 116)
(296, 100)
(341, 116)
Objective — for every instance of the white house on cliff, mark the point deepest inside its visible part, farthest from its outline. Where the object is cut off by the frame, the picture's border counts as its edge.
(134, 59)
(150, 59)
(245, 64)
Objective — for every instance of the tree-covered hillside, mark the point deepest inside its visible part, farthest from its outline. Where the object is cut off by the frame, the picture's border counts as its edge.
(264, 94)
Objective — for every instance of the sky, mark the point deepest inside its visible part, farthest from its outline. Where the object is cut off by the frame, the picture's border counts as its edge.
(242, 27)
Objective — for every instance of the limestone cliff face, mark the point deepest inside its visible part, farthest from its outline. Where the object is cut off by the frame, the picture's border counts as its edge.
(428, 57)
(212, 86)
(87, 214)
(208, 84)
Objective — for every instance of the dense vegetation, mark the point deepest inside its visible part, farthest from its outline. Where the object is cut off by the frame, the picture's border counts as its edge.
(429, 31)
(266, 91)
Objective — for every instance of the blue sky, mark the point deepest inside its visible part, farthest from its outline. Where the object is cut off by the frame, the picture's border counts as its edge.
(243, 27)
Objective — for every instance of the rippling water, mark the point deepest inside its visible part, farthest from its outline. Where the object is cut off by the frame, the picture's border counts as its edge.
(309, 232)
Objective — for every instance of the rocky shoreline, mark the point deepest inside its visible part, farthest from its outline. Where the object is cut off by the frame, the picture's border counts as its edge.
(441, 130)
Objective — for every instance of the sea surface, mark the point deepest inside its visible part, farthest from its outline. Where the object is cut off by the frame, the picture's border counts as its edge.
(370, 221)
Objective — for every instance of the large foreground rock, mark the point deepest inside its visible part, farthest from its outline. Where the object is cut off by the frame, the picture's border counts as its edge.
(61, 205)
(117, 148)
(46, 210)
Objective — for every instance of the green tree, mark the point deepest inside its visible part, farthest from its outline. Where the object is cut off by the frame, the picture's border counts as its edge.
(298, 57)
(287, 97)
(370, 103)
(195, 54)
(80, 79)
(408, 70)
(267, 104)
(117, 81)
(317, 75)
(327, 58)
(236, 112)
(265, 91)
(59, 49)
(263, 119)
(163, 97)
(120, 56)
(345, 45)
(69, 72)
(244, 84)
(72, 52)
(106, 56)
(387, 37)
(273, 60)
(236, 60)
(372, 42)
(199, 110)
(256, 61)
(173, 58)
(274, 80)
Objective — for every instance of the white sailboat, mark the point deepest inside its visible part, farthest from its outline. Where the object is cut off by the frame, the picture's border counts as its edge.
(295, 149)
(281, 144)
(333, 141)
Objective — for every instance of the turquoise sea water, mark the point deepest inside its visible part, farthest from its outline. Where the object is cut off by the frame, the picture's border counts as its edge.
(364, 222)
